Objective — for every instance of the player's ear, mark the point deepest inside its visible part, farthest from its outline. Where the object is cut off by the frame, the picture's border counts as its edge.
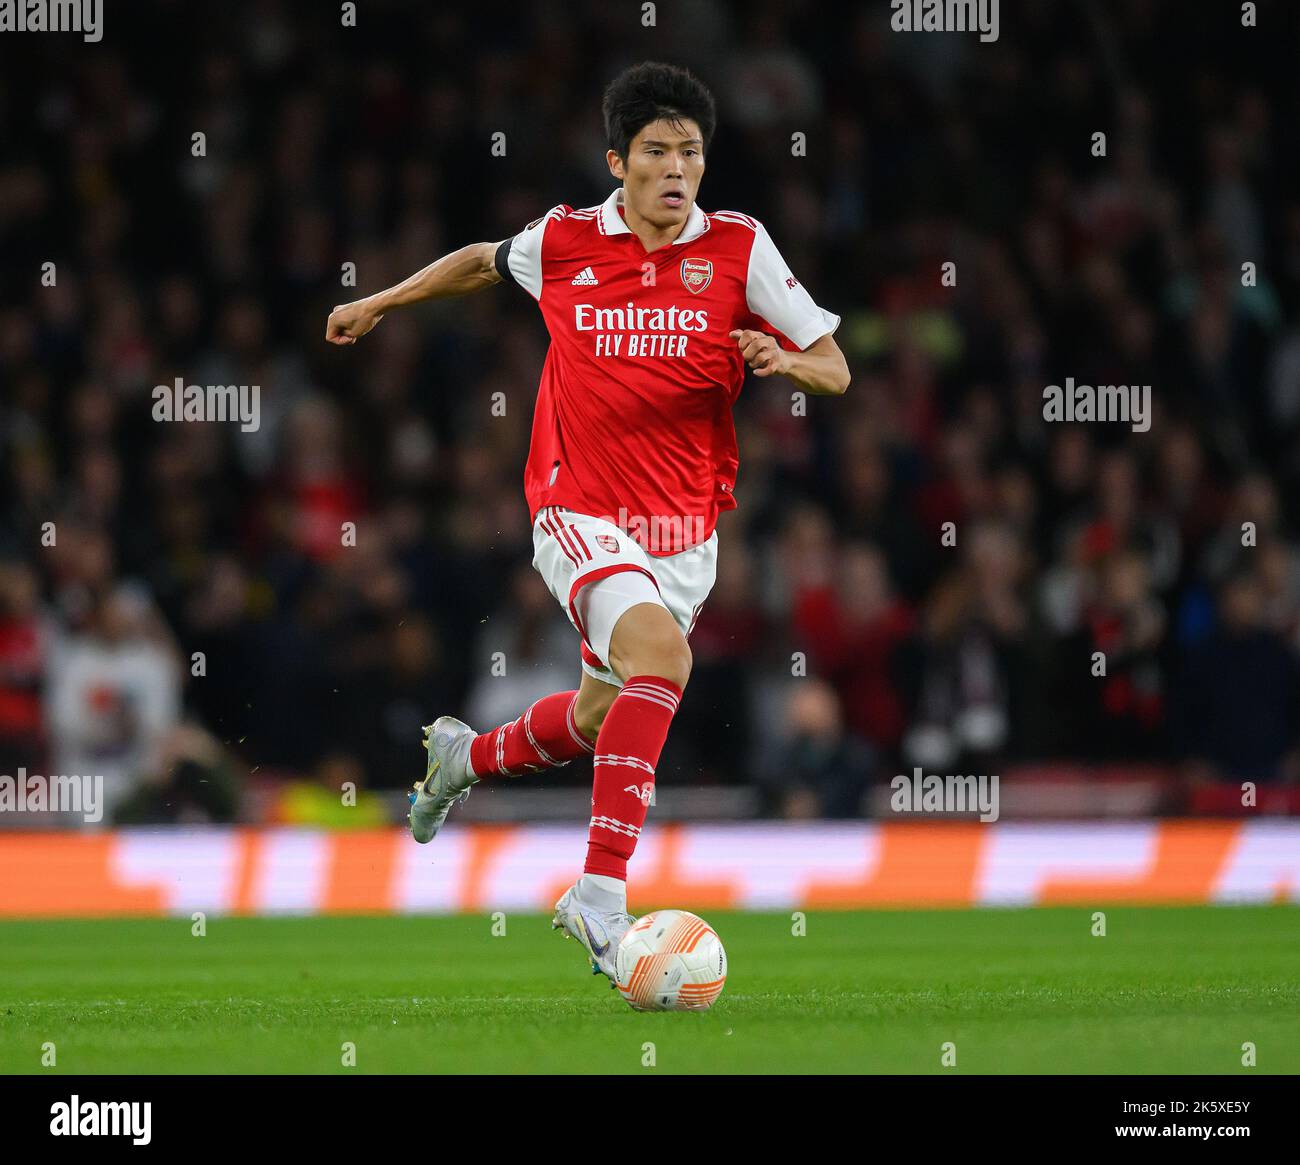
(616, 166)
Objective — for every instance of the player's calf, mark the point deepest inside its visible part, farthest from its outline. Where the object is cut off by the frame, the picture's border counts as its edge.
(544, 737)
(627, 751)
(633, 733)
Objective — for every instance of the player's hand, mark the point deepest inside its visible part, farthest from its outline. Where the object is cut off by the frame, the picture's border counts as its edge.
(761, 352)
(348, 322)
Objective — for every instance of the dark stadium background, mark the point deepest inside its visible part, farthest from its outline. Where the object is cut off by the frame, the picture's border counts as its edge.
(373, 146)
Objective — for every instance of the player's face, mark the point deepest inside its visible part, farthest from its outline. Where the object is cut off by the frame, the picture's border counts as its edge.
(661, 177)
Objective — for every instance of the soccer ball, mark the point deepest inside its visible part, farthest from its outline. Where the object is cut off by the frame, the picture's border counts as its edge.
(671, 960)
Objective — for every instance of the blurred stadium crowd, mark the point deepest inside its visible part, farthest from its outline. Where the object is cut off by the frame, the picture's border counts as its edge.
(372, 146)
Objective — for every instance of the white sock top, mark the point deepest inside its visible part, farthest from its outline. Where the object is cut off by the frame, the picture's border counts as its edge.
(602, 890)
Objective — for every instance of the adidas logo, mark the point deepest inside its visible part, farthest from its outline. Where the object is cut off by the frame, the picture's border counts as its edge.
(585, 278)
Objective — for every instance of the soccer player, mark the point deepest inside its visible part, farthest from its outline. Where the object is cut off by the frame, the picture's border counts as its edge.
(654, 308)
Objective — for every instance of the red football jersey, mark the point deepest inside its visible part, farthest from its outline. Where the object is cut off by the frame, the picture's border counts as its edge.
(633, 417)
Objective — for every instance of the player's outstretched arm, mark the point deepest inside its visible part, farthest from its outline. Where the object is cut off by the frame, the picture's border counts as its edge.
(820, 369)
(469, 269)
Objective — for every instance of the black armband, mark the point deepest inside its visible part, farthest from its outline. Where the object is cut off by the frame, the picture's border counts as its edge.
(501, 261)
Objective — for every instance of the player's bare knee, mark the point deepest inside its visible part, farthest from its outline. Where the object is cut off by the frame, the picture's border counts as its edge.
(668, 659)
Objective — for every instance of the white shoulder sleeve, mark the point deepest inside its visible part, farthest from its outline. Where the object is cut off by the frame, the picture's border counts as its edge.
(773, 293)
(525, 256)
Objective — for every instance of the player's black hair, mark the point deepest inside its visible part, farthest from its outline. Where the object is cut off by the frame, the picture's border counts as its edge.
(650, 92)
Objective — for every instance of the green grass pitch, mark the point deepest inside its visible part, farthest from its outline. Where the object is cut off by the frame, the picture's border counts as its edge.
(1167, 990)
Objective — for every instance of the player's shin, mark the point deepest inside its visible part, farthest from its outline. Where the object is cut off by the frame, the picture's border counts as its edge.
(627, 750)
(545, 736)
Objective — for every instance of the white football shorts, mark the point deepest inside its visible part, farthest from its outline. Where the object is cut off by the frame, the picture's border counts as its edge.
(596, 572)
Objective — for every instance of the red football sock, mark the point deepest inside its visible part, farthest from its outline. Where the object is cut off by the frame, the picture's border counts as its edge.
(542, 738)
(627, 750)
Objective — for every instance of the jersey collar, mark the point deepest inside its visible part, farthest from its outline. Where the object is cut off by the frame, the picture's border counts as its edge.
(612, 223)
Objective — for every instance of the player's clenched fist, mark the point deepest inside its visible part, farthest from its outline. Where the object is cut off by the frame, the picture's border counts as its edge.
(348, 322)
(761, 352)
